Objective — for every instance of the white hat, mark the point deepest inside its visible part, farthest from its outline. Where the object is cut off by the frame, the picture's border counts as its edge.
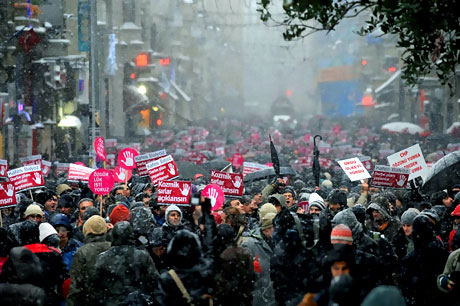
(316, 200)
(46, 230)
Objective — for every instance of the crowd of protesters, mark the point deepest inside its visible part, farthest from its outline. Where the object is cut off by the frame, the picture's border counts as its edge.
(339, 243)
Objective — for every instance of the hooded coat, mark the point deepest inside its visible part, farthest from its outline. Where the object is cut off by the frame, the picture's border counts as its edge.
(261, 253)
(422, 266)
(83, 267)
(381, 205)
(167, 231)
(195, 272)
(24, 270)
(122, 269)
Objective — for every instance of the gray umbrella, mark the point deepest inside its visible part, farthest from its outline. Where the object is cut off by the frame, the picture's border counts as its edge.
(444, 174)
(259, 175)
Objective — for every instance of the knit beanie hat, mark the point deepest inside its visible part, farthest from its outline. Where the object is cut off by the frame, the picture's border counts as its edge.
(409, 215)
(267, 208)
(95, 225)
(119, 213)
(46, 230)
(316, 200)
(267, 221)
(33, 209)
(348, 218)
(341, 234)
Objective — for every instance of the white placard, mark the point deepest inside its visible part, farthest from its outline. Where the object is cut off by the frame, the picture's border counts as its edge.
(354, 169)
(410, 158)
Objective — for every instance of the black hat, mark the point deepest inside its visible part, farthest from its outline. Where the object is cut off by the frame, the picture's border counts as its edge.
(66, 201)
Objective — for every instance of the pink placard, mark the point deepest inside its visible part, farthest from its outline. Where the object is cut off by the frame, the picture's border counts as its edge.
(27, 177)
(121, 175)
(80, 164)
(174, 192)
(230, 183)
(126, 158)
(215, 193)
(99, 148)
(7, 195)
(101, 181)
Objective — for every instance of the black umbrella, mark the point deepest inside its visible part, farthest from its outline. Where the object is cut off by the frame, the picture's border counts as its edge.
(265, 173)
(444, 174)
(275, 159)
(316, 168)
(187, 170)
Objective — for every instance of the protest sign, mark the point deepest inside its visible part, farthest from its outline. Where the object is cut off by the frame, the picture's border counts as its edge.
(79, 173)
(174, 192)
(121, 175)
(237, 160)
(31, 160)
(7, 195)
(62, 168)
(354, 169)
(99, 148)
(110, 143)
(252, 167)
(46, 167)
(367, 162)
(385, 176)
(126, 158)
(410, 158)
(230, 183)
(144, 159)
(220, 151)
(215, 194)
(162, 169)
(4, 167)
(101, 181)
(27, 177)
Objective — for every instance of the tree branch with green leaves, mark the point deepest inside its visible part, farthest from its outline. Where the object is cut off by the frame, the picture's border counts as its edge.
(426, 30)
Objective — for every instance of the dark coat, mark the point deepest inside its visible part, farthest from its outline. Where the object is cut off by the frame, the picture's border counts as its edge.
(82, 268)
(295, 269)
(49, 277)
(422, 266)
(195, 272)
(122, 269)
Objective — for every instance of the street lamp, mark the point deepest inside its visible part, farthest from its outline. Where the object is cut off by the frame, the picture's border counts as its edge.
(142, 89)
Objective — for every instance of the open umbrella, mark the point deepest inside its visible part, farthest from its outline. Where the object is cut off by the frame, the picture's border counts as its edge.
(444, 174)
(259, 175)
(402, 128)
